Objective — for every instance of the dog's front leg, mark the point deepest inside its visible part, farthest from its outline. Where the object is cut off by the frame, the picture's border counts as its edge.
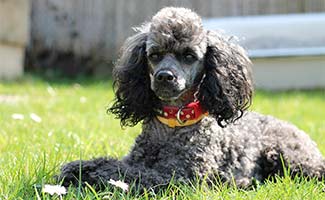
(100, 171)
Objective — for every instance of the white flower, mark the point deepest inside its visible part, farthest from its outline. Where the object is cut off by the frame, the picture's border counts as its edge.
(54, 189)
(51, 91)
(35, 118)
(83, 99)
(17, 116)
(120, 184)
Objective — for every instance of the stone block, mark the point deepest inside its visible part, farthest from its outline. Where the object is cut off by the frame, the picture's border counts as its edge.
(14, 21)
(11, 61)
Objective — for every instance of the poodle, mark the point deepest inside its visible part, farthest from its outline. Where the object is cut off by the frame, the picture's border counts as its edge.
(191, 88)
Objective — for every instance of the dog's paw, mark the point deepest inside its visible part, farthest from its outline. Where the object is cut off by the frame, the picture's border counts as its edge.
(70, 174)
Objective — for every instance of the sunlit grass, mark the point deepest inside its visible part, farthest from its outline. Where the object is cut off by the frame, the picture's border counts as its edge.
(75, 125)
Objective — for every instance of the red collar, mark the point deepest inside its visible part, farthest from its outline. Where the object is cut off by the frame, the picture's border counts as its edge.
(182, 116)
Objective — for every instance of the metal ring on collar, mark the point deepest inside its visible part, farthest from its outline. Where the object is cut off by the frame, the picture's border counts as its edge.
(178, 116)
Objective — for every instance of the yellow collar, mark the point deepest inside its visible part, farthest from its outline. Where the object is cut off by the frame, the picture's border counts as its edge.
(172, 123)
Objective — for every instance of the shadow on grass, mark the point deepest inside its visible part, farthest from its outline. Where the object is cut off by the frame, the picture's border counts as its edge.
(59, 80)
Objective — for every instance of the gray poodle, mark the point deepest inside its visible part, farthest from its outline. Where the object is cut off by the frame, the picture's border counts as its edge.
(191, 88)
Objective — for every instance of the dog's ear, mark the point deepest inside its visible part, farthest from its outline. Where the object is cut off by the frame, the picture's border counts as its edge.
(226, 89)
(134, 100)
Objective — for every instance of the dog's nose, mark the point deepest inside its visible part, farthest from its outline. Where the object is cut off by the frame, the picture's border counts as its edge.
(164, 75)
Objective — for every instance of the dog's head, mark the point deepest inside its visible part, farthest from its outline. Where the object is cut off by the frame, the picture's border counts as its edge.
(175, 49)
(174, 60)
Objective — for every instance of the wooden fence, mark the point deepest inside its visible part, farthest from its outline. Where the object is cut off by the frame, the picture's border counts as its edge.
(99, 27)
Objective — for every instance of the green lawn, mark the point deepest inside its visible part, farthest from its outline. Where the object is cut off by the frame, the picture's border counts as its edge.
(74, 125)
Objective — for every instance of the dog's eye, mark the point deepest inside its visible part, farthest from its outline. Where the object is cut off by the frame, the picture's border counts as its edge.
(155, 57)
(189, 58)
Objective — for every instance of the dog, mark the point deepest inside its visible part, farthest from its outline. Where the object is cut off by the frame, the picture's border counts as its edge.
(191, 88)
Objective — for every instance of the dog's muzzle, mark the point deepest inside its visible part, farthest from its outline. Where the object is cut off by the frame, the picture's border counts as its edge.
(167, 85)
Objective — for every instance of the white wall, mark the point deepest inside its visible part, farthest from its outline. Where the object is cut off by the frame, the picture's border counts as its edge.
(289, 72)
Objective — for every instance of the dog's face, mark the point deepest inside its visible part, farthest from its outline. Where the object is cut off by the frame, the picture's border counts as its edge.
(173, 59)
(173, 72)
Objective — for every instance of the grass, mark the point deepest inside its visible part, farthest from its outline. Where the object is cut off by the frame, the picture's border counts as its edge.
(75, 125)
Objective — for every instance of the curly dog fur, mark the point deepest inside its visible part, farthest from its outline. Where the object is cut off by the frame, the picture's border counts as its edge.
(231, 143)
